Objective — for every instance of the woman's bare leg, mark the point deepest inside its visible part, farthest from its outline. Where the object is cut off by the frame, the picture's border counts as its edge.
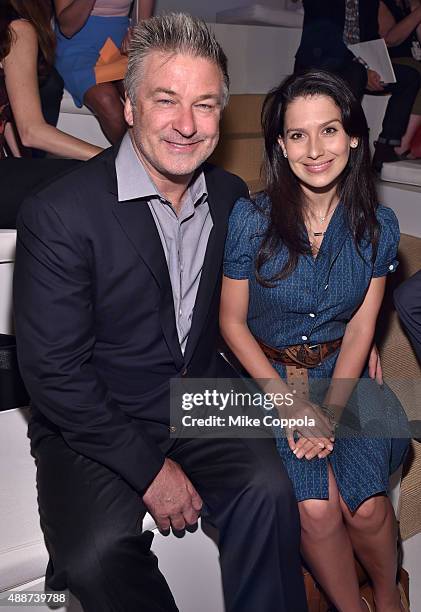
(327, 549)
(413, 125)
(373, 532)
(105, 102)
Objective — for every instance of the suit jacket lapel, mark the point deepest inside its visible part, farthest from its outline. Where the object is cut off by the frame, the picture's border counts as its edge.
(211, 266)
(137, 222)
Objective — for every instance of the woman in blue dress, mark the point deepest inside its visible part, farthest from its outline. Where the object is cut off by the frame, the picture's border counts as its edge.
(304, 277)
(83, 28)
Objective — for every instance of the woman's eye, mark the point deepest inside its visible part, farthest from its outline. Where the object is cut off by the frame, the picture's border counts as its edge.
(330, 130)
(296, 136)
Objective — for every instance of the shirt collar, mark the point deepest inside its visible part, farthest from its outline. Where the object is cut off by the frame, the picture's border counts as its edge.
(133, 181)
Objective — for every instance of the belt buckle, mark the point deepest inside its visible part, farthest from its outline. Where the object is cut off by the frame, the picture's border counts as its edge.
(318, 346)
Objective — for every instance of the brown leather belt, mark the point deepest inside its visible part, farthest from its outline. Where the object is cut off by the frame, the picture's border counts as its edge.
(298, 359)
(301, 355)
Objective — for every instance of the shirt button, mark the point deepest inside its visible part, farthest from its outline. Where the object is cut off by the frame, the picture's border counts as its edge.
(312, 315)
(391, 267)
(172, 428)
(184, 372)
(304, 337)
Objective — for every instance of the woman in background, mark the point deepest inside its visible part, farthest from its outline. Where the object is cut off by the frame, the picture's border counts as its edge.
(304, 277)
(26, 59)
(84, 26)
(400, 26)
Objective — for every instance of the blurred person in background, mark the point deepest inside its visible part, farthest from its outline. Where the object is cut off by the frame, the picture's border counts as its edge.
(27, 46)
(83, 28)
(329, 27)
(30, 95)
(400, 26)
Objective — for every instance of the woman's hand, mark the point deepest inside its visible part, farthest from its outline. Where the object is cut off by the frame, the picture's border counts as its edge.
(314, 441)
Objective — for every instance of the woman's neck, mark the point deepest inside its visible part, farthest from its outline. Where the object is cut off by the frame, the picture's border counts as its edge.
(319, 204)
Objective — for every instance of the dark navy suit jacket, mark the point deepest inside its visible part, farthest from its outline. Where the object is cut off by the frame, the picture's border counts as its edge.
(321, 41)
(95, 324)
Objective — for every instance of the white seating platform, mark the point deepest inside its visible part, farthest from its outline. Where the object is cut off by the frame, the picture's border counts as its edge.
(406, 172)
(259, 14)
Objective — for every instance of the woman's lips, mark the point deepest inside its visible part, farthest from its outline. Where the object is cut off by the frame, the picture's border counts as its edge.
(319, 167)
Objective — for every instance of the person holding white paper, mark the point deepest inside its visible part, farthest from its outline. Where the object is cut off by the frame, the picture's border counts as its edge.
(329, 27)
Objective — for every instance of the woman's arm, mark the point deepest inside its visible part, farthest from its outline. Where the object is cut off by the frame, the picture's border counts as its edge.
(237, 335)
(395, 33)
(72, 15)
(20, 69)
(356, 345)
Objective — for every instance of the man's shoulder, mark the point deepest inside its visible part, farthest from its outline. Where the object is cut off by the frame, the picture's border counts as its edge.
(222, 182)
(90, 176)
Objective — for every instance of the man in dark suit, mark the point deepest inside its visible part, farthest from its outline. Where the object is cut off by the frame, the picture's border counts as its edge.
(328, 29)
(117, 287)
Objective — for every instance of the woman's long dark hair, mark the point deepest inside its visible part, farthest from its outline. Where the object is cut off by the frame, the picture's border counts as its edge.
(39, 14)
(356, 187)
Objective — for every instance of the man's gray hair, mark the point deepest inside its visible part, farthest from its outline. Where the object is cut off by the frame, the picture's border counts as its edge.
(172, 33)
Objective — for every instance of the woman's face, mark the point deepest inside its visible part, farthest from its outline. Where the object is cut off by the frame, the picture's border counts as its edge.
(315, 141)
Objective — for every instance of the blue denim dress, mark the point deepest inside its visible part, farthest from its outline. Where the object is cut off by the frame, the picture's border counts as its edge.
(313, 305)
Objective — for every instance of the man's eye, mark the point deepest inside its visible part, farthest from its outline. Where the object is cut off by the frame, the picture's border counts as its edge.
(165, 101)
(204, 106)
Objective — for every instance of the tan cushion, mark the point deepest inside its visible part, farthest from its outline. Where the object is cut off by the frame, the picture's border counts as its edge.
(403, 374)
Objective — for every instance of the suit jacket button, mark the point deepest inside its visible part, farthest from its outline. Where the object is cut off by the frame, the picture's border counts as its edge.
(172, 428)
(184, 372)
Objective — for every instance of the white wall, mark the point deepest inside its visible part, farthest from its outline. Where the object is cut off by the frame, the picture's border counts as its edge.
(206, 9)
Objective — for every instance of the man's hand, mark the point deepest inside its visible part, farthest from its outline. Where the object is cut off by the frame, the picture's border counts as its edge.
(373, 81)
(374, 365)
(171, 498)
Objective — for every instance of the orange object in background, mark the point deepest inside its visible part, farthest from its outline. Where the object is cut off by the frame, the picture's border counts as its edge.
(111, 64)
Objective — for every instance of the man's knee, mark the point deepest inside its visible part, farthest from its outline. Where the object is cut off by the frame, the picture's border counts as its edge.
(270, 486)
(94, 564)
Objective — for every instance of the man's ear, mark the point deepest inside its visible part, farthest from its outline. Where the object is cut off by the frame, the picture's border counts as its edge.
(128, 112)
(281, 144)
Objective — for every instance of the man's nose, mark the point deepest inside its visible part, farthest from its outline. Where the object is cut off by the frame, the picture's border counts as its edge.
(184, 122)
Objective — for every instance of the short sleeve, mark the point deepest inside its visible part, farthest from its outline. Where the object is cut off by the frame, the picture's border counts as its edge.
(386, 261)
(239, 251)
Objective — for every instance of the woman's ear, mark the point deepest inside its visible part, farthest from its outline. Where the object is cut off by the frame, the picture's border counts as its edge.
(281, 144)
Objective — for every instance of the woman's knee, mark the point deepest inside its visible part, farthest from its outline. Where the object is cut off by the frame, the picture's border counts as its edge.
(370, 515)
(103, 99)
(319, 517)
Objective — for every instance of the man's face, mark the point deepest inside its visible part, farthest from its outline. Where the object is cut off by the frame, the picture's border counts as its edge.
(176, 117)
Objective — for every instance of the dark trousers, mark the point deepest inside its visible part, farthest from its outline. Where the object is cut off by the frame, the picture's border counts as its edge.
(408, 304)
(399, 107)
(92, 522)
